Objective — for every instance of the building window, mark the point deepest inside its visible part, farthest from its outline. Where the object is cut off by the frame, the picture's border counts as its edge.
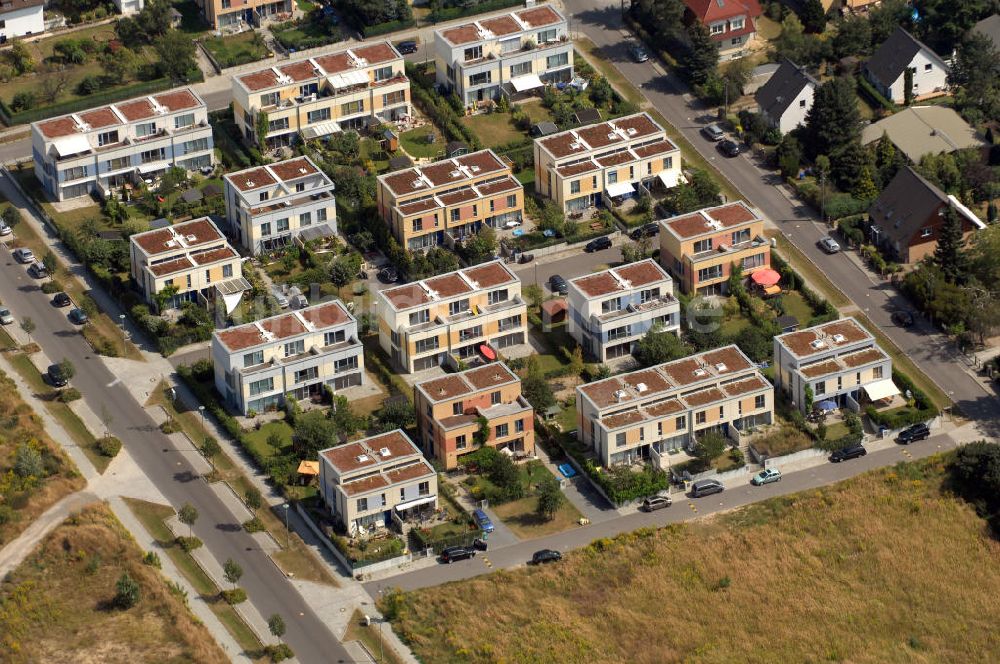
(308, 89)
(120, 162)
(196, 145)
(418, 317)
(277, 125)
(470, 333)
(802, 103)
(611, 304)
(457, 408)
(736, 24)
(295, 348)
(383, 73)
(928, 67)
(547, 35)
(722, 412)
(512, 201)
(754, 261)
(680, 423)
(642, 434)
(620, 332)
(265, 229)
(649, 295)
(619, 440)
(717, 28)
(282, 225)
(740, 236)
(336, 337)
(145, 129)
(152, 155)
(593, 182)
(926, 232)
(520, 69)
(509, 323)
(703, 245)
(558, 60)
(347, 364)
(613, 177)
(713, 272)
(502, 430)
(321, 215)
(481, 78)
(425, 345)
(300, 187)
(107, 138)
(473, 53)
(456, 215)
(269, 99)
(303, 375)
(362, 504)
(74, 173)
(451, 73)
(460, 442)
(821, 387)
(519, 426)
(418, 225)
(305, 219)
(227, 271)
(458, 307)
(424, 489)
(497, 296)
(319, 115)
(877, 373)
(261, 386)
(253, 359)
(393, 98)
(735, 42)
(699, 417)
(495, 397)
(574, 187)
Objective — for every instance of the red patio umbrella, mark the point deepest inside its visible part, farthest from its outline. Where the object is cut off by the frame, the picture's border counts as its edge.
(765, 277)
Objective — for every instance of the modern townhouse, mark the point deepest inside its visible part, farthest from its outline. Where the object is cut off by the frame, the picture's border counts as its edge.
(583, 168)
(21, 17)
(660, 411)
(104, 148)
(508, 55)
(298, 354)
(192, 259)
(374, 482)
(321, 95)
(465, 313)
(838, 361)
(450, 200)
(244, 13)
(700, 249)
(461, 412)
(610, 311)
(269, 206)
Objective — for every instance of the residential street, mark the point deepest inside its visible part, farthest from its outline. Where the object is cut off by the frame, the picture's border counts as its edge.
(683, 509)
(154, 453)
(602, 23)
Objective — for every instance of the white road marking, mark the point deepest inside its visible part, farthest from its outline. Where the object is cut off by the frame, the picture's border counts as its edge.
(114, 382)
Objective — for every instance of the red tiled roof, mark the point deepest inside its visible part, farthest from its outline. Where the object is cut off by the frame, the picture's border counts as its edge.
(292, 169)
(448, 285)
(489, 275)
(155, 242)
(345, 458)
(214, 255)
(709, 11)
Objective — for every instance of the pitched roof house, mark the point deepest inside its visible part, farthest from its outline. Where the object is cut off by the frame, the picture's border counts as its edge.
(921, 130)
(731, 23)
(907, 217)
(787, 96)
(901, 51)
(990, 27)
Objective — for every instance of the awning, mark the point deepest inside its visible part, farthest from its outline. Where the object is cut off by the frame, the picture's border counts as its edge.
(671, 179)
(231, 291)
(772, 290)
(74, 144)
(347, 79)
(526, 82)
(828, 404)
(487, 352)
(881, 389)
(619, 189)
(321, 129)
(402, 507)
(766, 277)
(151, 167)
(308, 468)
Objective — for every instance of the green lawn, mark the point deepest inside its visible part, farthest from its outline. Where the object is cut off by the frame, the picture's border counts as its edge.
(493, 129)
(796, 305)
(536, 111)
(238, 49)
(567, 417)
(520, 517)
(415, 142)
(257, 438)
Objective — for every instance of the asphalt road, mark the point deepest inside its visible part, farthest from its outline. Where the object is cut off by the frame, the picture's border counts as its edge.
(683, 509)
(160, 461)
(933, 352)
(568, 267)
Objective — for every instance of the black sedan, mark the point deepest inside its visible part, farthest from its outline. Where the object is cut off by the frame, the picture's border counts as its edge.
(638, 53)
(729, 148)
(646, 230)
(558, 285)
(545, 556)
(850, 452)
(598, 244)
(62, 300)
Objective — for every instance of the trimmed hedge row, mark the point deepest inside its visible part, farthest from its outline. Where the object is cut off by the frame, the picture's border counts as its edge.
(440, 14)
(869, 92)
(385, 28)
(925, 408)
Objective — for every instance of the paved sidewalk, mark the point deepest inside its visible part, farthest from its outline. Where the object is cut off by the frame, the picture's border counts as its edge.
(14, 552)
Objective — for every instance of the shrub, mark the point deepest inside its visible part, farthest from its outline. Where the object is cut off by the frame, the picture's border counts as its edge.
(188, 544)
(254, 525)
(279, 652)
(622, 485)
(68, 395)
(170, 426)
(234, 596)
(127, 592)
(152, 559)
(109, 446)
(52, 287)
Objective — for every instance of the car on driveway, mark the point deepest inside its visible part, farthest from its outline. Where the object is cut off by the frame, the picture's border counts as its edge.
(37, 271)
(598, 244)
(850, 452)
(829, 245)
(558, 285)
(62, 300)
(408, 46)
(713, 132)
(654, 503)
(57, 377)
(388, 275)
(729, 148)
(766, 476)
(5, 230)
(646, 230)
(5, 317)
(637, 52)
(902, 318)
(545, 556)
(453, 553)
(913, 433)
(78, 316)
(483, 521)
(24, 255)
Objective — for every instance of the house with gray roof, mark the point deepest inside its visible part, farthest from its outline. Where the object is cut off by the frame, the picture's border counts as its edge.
(921, 130)
(906, 219)
(885, 70)
(787, 96)
(990, 27)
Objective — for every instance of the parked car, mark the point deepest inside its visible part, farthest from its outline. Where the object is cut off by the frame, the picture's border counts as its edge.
(5, 230)
(453, 553)
(408, 46)
(729, 148)
(850, 452)
(713, 132)
(78, 316)
(57, 377)
(913, 433)
(558, 285)
(299, 301)
(5, 317)
(62, 300)
(513, 223)
(654, 503)
(829, 245)
(597, 244)
(766, 476)
(545, 556)
(37, 271)
(281, 299)
(479, 544)
(646, 230)
(23, 255)
(706, 488)
(637, 52)
(902, 318)
(483, 521)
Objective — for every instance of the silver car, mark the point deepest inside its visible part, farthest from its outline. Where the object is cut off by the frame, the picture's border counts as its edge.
(24, 255)
(829, 245)
(713, 132)
(5, 317)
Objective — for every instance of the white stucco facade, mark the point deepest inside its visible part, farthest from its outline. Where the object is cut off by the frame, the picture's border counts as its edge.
(22, 21)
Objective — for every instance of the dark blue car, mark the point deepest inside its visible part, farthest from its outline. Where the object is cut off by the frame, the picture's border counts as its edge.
(483, 521)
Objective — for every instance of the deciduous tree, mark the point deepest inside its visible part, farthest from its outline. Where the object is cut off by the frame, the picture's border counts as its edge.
(188, 515)
(550, 498)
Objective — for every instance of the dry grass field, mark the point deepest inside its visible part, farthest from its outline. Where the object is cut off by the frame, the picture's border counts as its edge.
(883, 568)
(55, 606)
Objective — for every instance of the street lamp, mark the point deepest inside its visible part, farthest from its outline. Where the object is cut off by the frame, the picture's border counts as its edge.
(201, 409)
(285, 506)
(121, 320)
(381, 619)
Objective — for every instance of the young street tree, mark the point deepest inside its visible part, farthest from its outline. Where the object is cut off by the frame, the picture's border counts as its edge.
(67, 369)
(550, 499)
(28, 326)
(188, 515)
(209, 448)
(233, 571)
(277, 625)
(253, 499)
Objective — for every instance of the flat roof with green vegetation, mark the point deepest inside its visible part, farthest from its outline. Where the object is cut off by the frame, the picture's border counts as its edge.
(813, 576)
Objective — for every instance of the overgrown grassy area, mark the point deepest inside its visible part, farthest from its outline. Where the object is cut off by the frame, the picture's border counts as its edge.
(371, 636)
(57, 606)
(814, 576)
(152, 517)
(28, 496)
(493, 129)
